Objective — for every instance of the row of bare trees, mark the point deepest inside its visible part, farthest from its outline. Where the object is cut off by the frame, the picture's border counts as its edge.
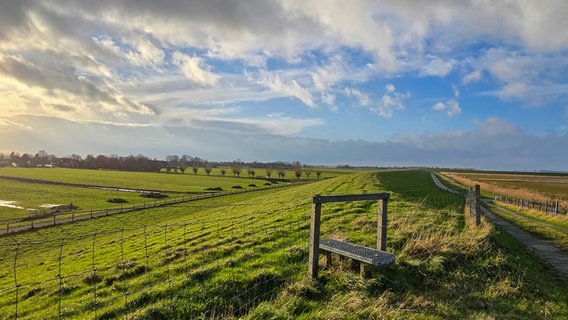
(171, 164)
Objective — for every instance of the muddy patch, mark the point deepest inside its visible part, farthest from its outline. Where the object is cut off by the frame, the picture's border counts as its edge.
(10, 204)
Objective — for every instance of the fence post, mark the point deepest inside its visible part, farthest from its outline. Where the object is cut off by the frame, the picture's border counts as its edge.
(556, 208)
(16, 277)
(60, 278)
(94, 275)
(477, 204)
(382, 225)
(313, 256)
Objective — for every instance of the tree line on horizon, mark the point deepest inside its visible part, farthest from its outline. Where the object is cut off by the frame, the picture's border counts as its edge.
(142, 163)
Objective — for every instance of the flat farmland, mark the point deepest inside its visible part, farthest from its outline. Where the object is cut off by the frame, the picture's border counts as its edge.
(37, 190)
(131, 180)
(518, 185)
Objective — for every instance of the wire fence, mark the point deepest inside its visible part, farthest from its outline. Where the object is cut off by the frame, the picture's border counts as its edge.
(472, 199)
(45, 219)
(550, 206)
(212, 268)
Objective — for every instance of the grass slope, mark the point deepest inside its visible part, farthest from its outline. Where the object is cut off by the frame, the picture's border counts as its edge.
(246, 256)
(134, 180)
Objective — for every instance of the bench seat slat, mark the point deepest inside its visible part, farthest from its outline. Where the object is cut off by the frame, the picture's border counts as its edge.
(360, 253)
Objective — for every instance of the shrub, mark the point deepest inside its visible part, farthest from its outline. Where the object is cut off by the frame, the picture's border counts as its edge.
(117, 200)
(153, 195)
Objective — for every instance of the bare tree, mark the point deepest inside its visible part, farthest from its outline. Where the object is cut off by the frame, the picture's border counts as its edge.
(297, 169)
(281, 173)
(195, 169)
(237, 166)
(172, 160)
(318, 173)
(223, 171)
(298, 172)
(307, 171)
(268, 171)
(208, 168)
(182, 166)
(251, 173)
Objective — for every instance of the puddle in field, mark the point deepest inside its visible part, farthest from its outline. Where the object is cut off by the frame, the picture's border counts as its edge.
(9, 204)
(49, 205)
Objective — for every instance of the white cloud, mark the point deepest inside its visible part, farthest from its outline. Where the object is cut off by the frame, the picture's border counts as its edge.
(281, 124)
(390, 102)
(472, 77)
(440, 106)
(195, 69)
(451, 107)
(510, 91)
(495, 127)
(291, 87)
(328, 75)
(362, 98)
(437, 67)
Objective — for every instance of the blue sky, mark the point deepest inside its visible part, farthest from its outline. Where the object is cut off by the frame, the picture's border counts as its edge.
(477, 84)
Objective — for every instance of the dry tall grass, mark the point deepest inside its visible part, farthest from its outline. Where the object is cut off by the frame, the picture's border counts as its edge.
(521, 193)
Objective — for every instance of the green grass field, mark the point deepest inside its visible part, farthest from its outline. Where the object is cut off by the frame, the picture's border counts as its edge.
(245, 256)
(134, 180)
(22, 199)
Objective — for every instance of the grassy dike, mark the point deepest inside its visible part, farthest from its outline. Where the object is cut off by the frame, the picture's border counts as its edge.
(245, 256)
(446, 269)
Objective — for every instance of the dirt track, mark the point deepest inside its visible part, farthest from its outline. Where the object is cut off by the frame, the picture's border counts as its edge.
(545, 250)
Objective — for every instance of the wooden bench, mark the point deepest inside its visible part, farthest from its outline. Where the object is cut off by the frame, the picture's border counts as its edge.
(363, 255)
(359, 254)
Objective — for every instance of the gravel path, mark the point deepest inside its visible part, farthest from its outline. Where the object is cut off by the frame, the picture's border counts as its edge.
(546, 251)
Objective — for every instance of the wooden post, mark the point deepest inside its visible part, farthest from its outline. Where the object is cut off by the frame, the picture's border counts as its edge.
(363, 270)
(477, 205)
(328, 259)
(556, 212)
(470, 202)
(313, 256)
(546, 206)
(382, 225)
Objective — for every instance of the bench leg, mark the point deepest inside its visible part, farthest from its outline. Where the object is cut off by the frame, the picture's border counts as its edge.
(341, 260)
(363, 270)
(355, 265)
(328, 259)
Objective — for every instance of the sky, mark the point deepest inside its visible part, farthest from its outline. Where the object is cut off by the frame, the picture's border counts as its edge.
(466, 84)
